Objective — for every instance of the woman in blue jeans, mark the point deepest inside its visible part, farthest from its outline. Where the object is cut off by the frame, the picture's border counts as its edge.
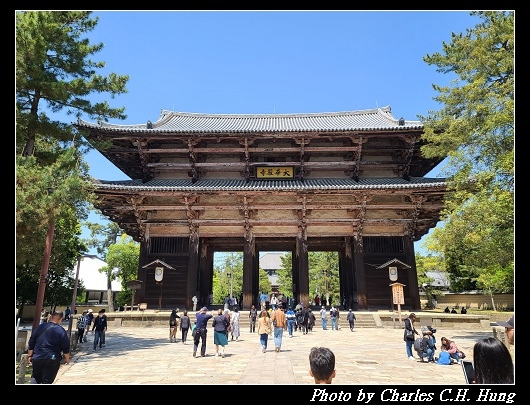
(410, 334)
(264, 329)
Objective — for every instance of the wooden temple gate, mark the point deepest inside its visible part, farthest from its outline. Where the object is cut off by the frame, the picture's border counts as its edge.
(350, 182)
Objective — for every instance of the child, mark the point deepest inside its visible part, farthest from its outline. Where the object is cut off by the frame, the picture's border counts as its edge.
(445, 357)
(322, 365)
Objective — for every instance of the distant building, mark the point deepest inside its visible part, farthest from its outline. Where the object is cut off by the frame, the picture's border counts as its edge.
(440, 280)
(271, 262)
(95, 282)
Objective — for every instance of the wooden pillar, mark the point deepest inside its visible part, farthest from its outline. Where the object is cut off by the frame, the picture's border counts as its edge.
(360, 273)
(412, 279)
(193, 265)
(346, 274)
(249, 275)
(142, 273)
(205, 277)
(295, 272)
(302, 257)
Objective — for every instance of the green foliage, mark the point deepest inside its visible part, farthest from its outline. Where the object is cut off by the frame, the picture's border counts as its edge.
(102, 236)
(54, 74)
(123, 260)
(233, 264)
(475, 130)
(54, 66)
(323, 275)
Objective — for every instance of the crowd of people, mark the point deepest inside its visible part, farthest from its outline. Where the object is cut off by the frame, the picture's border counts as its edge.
(492, 360)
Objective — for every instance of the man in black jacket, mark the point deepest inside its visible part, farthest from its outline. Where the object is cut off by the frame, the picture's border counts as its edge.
(46, 346)
(100, 327)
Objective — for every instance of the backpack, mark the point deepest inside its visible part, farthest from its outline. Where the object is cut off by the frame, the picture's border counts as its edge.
(418, 346)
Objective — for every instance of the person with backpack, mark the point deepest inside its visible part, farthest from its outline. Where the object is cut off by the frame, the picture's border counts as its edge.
(425, 347)
(334, 316)
(89, 320)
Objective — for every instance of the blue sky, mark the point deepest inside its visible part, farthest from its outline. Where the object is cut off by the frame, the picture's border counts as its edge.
(263, 62)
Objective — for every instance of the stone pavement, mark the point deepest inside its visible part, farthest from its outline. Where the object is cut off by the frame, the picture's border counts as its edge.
(144, 355)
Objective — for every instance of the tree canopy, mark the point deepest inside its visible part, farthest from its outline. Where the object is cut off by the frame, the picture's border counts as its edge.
(475, 130)
(54, 77)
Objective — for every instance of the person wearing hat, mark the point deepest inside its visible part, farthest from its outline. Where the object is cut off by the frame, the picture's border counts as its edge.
(81, 326)
(509, 326)
(201, 331)
(46, 347)
(89, 320)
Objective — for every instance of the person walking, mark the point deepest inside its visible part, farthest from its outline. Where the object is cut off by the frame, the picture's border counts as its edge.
(291, 321)
(351, 319)
(201, 331)
(46, 347)
(334, 316)
(311, 320)
(173, 324)
(234, 322)
(194, 300)
(264, 329)
(99, 329)
(185, 324)
(409, 335)
(220, 332)
(324, 317)
(274, 301)
(89, 321)
(81, 326)
(280, 324)
(253, 316)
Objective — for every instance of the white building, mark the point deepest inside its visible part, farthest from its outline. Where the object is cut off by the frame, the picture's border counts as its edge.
(95, 282)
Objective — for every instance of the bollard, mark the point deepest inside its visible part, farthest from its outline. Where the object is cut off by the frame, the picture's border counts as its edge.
(22, 369)
(74, 340)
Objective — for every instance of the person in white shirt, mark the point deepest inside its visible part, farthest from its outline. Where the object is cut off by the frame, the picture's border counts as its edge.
(274, 301)
(324, 317)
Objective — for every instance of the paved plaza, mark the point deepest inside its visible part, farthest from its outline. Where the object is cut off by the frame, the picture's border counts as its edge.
(366, 356)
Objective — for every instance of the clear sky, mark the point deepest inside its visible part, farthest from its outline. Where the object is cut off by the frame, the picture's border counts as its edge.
(263, 62)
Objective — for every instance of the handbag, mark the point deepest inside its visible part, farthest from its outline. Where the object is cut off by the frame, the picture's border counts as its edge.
(409, 334)
(275, 322)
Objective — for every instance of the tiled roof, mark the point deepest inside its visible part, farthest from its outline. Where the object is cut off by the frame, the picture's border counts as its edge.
(271, 185)
(175, 122)
(271, 260)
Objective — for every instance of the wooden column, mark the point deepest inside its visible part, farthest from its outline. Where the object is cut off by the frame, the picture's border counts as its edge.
(302, 258)
(412, 285)
(142, 273)
(193, 265)
(346, 274)
(250, 277)
(205, 276)
(360, 273)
